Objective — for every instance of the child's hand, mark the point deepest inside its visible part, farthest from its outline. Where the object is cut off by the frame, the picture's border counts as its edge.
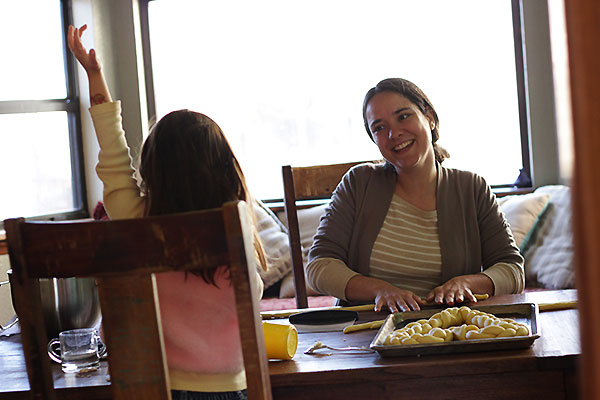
(88, 60)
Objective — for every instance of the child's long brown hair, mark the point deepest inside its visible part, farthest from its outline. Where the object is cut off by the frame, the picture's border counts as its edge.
(187, 164)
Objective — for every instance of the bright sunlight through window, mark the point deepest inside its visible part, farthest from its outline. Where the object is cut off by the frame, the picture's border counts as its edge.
(285, 80)
(35, 156)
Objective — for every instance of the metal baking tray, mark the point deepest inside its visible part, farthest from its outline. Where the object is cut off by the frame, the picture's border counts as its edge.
(526, 313)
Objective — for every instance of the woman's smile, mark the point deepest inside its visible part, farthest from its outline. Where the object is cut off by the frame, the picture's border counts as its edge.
(403, 145)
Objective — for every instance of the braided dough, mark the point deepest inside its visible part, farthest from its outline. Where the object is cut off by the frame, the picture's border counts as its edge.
(456, 324)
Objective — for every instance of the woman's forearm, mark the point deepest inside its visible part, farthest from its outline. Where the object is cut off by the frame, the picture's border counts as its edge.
(363, 288)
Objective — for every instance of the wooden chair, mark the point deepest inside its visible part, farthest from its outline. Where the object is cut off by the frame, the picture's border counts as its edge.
(123, 255)
(306, 183)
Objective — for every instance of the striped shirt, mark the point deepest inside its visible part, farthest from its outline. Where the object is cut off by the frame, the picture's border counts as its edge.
(406, 252)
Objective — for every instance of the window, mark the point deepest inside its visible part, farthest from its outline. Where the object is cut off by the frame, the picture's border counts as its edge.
(285, 80)
(40, 151)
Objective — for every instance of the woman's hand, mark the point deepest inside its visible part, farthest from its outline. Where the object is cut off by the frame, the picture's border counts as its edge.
(460, 289)
(397, 299)
(88, 60)
(362, 288)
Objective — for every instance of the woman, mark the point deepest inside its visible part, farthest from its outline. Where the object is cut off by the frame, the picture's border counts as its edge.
(408, 227)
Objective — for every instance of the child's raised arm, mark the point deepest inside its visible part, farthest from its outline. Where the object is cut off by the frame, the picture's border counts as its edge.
(89, 61)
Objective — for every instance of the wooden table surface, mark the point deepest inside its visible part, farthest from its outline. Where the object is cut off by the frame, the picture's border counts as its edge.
(545, 370)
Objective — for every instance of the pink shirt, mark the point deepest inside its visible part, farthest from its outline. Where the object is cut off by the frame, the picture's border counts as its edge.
(200, 323)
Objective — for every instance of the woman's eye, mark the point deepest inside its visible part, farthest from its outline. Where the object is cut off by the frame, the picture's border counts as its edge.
(403, 116)
(377, 128)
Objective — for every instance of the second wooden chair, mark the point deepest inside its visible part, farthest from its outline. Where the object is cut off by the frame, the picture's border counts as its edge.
(306, 183)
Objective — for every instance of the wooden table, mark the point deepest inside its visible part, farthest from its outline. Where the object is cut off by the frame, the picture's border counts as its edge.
(546, 370)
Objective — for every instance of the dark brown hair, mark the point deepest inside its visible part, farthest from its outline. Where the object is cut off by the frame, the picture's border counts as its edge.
(415, 95)
(187, 164)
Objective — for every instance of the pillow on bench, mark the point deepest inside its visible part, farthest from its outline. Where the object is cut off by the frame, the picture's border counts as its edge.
(549, 261)
(274, 237)
(523, 211)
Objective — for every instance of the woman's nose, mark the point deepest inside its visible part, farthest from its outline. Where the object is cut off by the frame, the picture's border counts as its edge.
(394, 131)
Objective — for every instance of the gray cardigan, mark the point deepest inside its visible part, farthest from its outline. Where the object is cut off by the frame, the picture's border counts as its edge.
(473, 232)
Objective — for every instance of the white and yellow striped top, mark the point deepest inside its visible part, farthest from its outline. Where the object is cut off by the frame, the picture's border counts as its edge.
(406, 252)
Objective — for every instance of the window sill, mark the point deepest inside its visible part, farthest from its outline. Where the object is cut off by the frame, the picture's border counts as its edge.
(501, 192)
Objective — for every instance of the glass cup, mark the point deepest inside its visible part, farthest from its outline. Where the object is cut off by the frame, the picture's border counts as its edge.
(77, 350)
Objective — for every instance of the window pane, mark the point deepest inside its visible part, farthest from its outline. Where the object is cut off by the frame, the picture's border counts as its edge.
(32, 50)
(286, 79)
(35, 164)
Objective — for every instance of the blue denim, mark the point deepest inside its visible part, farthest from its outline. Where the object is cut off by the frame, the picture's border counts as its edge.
(186, 395)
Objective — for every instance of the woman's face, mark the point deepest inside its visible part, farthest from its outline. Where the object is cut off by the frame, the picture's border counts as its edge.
(401, 131)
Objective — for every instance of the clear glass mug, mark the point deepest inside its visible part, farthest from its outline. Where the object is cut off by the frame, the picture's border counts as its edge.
(77, 350)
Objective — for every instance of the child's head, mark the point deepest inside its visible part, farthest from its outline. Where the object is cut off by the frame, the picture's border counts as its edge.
(187, 164)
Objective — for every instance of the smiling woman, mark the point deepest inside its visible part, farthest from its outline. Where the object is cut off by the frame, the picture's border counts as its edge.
(286, 79)
(409, 227)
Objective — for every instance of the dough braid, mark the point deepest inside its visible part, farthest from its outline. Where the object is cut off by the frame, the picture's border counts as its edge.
(456, 324)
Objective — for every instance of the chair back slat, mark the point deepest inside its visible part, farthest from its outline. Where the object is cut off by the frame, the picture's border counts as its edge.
(242, 264)
(28, 305)
(319, 181)
(143, 245)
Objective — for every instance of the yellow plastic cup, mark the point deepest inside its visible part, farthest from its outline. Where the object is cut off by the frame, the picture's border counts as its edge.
(281, 340)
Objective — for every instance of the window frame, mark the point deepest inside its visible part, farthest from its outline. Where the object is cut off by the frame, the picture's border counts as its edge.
(523, 182)
(70, 105)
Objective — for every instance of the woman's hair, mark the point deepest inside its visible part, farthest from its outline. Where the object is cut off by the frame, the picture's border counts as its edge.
(187, 164)
(417, 97)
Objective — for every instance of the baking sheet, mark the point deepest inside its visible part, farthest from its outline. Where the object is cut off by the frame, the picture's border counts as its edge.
(526, 313)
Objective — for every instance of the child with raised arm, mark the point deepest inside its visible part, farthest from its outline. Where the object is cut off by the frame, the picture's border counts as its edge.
(186, 164)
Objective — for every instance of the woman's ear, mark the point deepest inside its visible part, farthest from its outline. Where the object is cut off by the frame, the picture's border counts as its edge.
(430, 118)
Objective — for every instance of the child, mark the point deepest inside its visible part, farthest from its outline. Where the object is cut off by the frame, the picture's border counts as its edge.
(186, 164)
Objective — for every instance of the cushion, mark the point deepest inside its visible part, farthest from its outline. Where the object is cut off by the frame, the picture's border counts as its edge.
(308, 222)
(287, 288)
(549, 259)
(274, 237)
(523, 213)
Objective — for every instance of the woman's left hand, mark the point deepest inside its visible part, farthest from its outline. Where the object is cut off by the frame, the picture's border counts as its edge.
(460, 289)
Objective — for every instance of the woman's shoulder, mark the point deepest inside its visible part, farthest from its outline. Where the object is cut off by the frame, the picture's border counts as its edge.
(368, 173)
(371, 168)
